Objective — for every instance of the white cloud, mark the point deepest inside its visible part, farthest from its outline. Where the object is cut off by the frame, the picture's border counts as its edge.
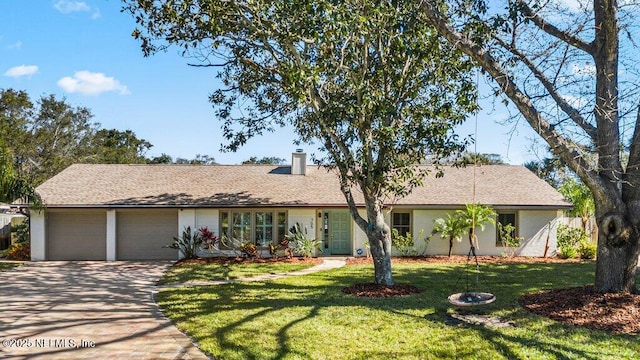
(96, 14)
(587, 69)
(22, 70)
(575, 101)
(16, 45)
(66, 6)
(90, 83)
(576, 5)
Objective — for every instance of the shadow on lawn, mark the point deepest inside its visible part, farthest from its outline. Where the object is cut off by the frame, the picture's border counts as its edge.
(262, 301)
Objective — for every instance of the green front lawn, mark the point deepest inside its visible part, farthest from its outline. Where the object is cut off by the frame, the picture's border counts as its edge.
(211, 272)
(8, 265)
(308, 317)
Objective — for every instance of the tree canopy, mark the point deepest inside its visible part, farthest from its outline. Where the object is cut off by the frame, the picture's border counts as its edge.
(43, 138)
(367, 81)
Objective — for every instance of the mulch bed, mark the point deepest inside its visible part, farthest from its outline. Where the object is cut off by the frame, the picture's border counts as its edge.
(460, 259)
(222, 260)
(582, 306)
(376, 290)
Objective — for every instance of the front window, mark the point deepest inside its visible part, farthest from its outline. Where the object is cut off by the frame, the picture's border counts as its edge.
(242, 226)
(264, 228)
(257, 226)
(401, 221)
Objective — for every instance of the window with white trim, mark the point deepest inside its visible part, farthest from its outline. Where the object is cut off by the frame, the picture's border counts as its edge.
(261, 227)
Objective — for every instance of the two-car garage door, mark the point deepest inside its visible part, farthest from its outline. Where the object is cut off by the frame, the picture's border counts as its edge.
(140, 234)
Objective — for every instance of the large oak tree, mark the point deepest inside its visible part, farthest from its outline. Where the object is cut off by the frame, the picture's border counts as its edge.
(367, 81)
(570, 68)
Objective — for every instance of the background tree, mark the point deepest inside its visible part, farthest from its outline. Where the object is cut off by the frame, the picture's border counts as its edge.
(550, 169)
(112, 146)
(469, 158)
(367, 80)
(198, 160)
(45, 137)
(580, 196)
(271, 160)
(162, 159)
(566, 85)
(13, 187)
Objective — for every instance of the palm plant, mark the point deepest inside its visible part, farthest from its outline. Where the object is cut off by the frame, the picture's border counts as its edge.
(451, 227)
(476, 215)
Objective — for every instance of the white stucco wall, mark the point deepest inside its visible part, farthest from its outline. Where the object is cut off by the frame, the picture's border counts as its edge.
(437, 245)
(38, 231)
(306, 218)
(209, 218)
(537, 227)
(533, 225)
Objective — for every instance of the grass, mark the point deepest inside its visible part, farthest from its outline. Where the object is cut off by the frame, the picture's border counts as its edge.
(8, 265)
(308, 317)
(211, 272)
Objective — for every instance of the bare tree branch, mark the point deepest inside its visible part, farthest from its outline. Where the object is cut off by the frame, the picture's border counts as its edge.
(558, 144)
(573, 113)
(554, 31)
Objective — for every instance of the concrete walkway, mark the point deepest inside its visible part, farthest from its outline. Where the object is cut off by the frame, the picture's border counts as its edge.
(327, 264)
(97, 309)
(87, 310)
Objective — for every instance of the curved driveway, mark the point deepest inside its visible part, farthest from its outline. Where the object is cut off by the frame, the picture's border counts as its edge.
(80, 310)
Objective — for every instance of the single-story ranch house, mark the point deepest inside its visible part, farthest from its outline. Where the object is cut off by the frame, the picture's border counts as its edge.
(129, 212)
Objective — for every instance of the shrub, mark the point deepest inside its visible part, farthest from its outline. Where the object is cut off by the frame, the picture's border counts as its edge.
(508, 238)
(587, 250)
(187, 243)
(302, 245)
(21, 232)
(567, 252)
(568, 240)
(406, 244)
(209, 239)
(19, 251)
(402, 243)
(249, 249)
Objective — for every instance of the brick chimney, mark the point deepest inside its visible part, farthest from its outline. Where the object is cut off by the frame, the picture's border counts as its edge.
(299, 163)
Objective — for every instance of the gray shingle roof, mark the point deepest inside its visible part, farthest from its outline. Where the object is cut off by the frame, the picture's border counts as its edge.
(91, 185)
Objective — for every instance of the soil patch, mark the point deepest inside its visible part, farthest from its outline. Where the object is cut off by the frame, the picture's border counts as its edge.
(376, 290)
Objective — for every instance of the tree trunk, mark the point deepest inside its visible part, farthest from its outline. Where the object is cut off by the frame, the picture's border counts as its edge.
(618, 253)
(379, 236)
(450, 245)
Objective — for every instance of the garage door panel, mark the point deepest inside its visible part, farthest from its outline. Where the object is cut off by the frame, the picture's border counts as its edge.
(141, 235)
(78, 235)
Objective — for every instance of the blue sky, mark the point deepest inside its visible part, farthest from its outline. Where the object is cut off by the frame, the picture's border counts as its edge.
(83, 51)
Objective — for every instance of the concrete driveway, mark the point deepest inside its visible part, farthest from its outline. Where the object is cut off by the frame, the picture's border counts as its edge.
(80, 310)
